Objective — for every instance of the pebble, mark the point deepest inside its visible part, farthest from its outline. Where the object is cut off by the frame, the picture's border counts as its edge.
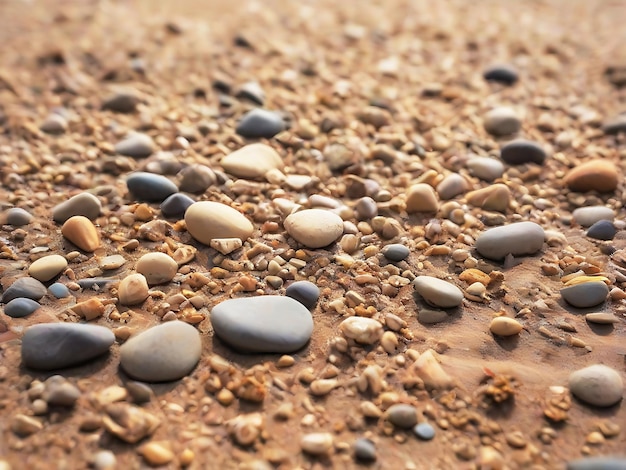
(81, 232)
(60, 291)
(156, 453)
(157, 268)
(123, 101)
(136, 145)
(602, 230)
(49, 346)
(402, 415)
(521, 238)
(196, 178)
(252, 161)
(424, 431)
(47, 267)
(20, 307)
(85, 204)
(24, 425)
(129, 423)
(133, 289)
(502, 121)
(175, 205)
(364, 450)
(438, 292)
(587, 216)
(27, 287)
(485, 168)
(314, 228)
(140, 392)
(615, 126)
(421, 197)
(18, 217)
(586, 294)
(104, 460)
(601, 318)
(363, 330)
(521, 151)
(501, 73)
(317, 443)
(505, 326)
(496, 197)
(60, 392)
(251, 91)
(395, 252)
(54, 124)
(270, 324)
(111, 262)
(593, 175)
(150, 187)
(163, 353)
(304, 292)
(451, 186)
(260, 123)
(597, 385)
(428, 316)
(598, 463)
(366, 208)
(207, 220)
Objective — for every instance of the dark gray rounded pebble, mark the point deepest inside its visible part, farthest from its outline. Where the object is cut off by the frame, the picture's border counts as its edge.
(502, 74)
(304, 292)
(602, 230)
(121, 102)
(395, 252)
(60, 291)
(150, 187)
(260, 123)
(95, 282)
(364, 449)
(17, 217)
(615, 126)
(85, 204)
(424, 431)
(20, 307)
(49, 346)
(176, 205)
(402, 415)
(598, 463)
(520, 151)
(27, 287)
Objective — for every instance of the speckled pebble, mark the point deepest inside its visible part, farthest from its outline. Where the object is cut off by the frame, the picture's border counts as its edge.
(304, 292)
(150, 187)
(259, 123)
(424, 431)
(395, 252)
(602, 230)
(26, 287)
(20, 307)
(18, 217)
(586, 294)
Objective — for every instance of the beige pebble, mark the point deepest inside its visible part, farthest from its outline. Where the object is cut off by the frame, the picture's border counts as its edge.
(157, 268)
(81, 232)
(421, 197)
(226, 245)
(496, 197)
(252, 161)
(285, 361)
(245, 428)
(598, 175)
(47, 267)
(25, 425)
(505, 326)
(186, 457)
(111, 262)
(89, 309)
(361, 329)
(156, 453)
(314, 228)
(317, 443)
(207, 220)
(133, 289)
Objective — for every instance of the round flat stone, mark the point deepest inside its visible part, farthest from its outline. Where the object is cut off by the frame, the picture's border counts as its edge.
(269, 324)
(314, 228)
(402, 415)
(364, 450)
(85, 204)
(520, 151)
(60, 291)
(501, 73)
(26, 287)
(304, 292)
(252, 161)
(424, 431)
(502, 121)
(21, 307)
(150, 187)
(207, 220)
(111, 262)
(260, 123)
(157, 267)
(49, 346)
(136, 145)
(47, 267)
(586, 294)
(597, 385)
(601, 318)
(18, 217)
(395, 252)
(594, 175)
(522, 238)
(485, 168)
(176, 205)
(438, 292)
(54, 124)
(587, 216)
(602, 230)
(163, 353)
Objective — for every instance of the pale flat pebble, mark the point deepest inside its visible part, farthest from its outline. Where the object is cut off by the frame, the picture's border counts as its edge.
(252, 161)
(207, 220)
(136, 145)
(484, 168)
(111, 262)
(587, 216)
(47, 267)
(597, 385)
(601, 318)
(318, 443)
(157, 267)
(438, 292)
(314, 228)
(522, 238)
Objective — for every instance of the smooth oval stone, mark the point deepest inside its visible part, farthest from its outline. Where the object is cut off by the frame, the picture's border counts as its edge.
(314, 228)
(267, 324)
(176, 205)
(157, 267)
(522, 151)
(421, 197)
(85, 204)
(451, 186)
(587, 216)
(18, 217)
(395, 252)
(133, 289)
(20, 307)
(587, 294)
(502, 121)
(196, 178)
(424, 431)
(598, 463)
(54, 124)
(252, 161)
(207, 220)
(260, 123)
(47, 267)
(597, 385)
(402, 415)
(602, 230)
(60, 291)
(505, 326)
(501, 73)
(438, 292)
(81, 232)
(487, 169)
(601, 318)
(27, 287)
(365, 208)
(428, 316)
(123, 101)
(615, 125)
(162, 353)
(364, 449)
(136, 145)
(304, 292)
(522, 238)
(150, 187)
(594, 175)
(49, 346)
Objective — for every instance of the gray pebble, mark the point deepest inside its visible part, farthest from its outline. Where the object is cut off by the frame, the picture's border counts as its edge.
(60, 291)
(124, 101)
(20, 307)
(304, 292)
(427, 316)
(366, 208)
(140, 392)
(196, 178)
(451, 186)
(54, 124)
(364, 450)
(602, 230)
(587, 216)
(176, 205)
(60, 392)
(85, 204)
(27, 287)
(424, 431)
(402, 415)
(522, 151)
(502, 121)
(95, 283)
(517, 239)
(587, 294)
(395, 252)
(104, 460)
(485, 168)
(18, 217)
(597, 385)
(501, 73)
(136, 145)
(150, 187)
(598, 463)
(259, 123)
(164, 165)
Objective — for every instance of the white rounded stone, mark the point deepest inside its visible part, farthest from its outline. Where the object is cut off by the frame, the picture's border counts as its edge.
(314, 228)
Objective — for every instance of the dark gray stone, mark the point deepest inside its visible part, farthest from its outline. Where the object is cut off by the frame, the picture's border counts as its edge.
(520, 151)
(304, 292)
(122, 102)
(150, 187)
(395, 252)
(615, 126)
(260, 123)
(20, 307)
(136, 145)
(602, 230)
(364, 450)
(501, 73)
(95, 283)
(60, 291)
(27, 287)
(176, 205)
(17, 217)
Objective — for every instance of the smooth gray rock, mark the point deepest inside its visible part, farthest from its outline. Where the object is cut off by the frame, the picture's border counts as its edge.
(587, 216)
(502, 121)
(124, 101)
(304, 292)
(485, 168)
(150, 187)
(395, 252)
(597, 385)
(85, 204)
(270, 324)
(60, 291)
(425, 431)
(587, 294)
(27, 287)
(522, 151)
(176, 205)
(602, 230)
(438, 292)
(518, 239)
(136, 145)
(402, 415)
(501, 73)
(20, 307)
(196, 178)
(364, 450)
(259, 123)
(18, 217)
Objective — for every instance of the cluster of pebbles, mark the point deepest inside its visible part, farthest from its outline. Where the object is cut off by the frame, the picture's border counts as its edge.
(297, 260)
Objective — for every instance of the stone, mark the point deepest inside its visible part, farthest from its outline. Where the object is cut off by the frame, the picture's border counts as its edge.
(451, 186)
(602, 230)
(501, 73)
(156, 453)
(26, 287)
(496, 197)
(157, 268)
(521, 151)
(601, 318)
(50, 346)
(175, 205)
(85, 204)
(129, 423)
(374, 116)
(425, 431)
(364, 450)
(363, 330)
(20, 307)
(505, 326)
(89, 309)
(60, 291)
(104, 460)
(587, 216)
(365, 208)
(47, 267)
(207, 220)
(196, 178)
(163, 353)
(60, 392)
(597, 463)
(136, 145)
(428, 368)
(226, 245)
(586, 294)
(402, 415)
(81, 232)
(122, 101)
(252, 161)
(421, 197)
(133, 289)
(269, 324)
(24, 425)
(150, 187)
(593, 175)
(428, 316)
(615, 125)
(251, 91)
(502, 121)
(597, 385)
(140, 392)
(517, 239)
(395, 252)
(260, 123)
(338, 156)
(317, 443)
(304, 292)
(314, 228)
(111, 262)
(487, 169)
(18, 217)
(438, 292)
(54, 124)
